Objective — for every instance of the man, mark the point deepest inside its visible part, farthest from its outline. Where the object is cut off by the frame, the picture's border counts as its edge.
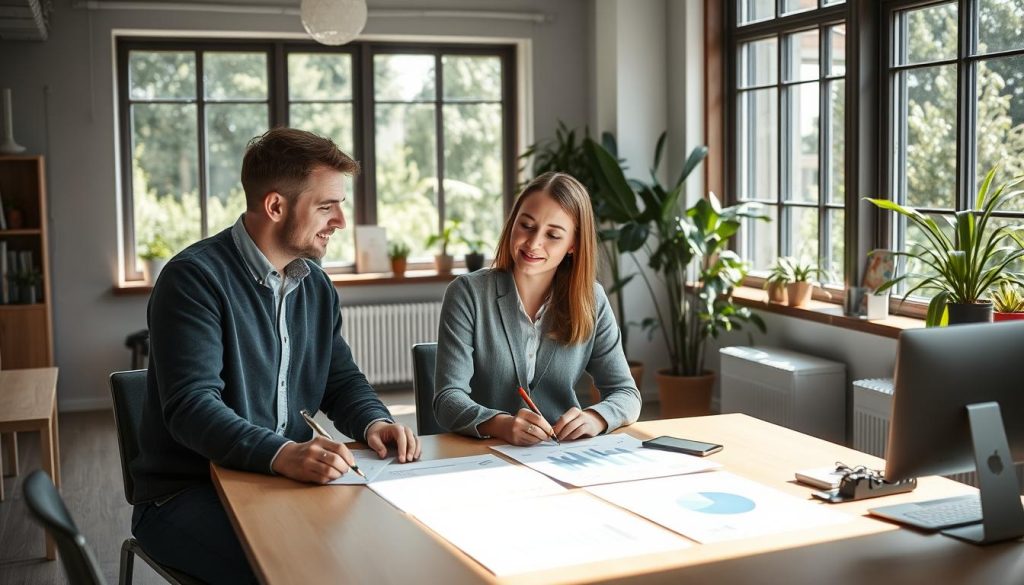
(245, 332)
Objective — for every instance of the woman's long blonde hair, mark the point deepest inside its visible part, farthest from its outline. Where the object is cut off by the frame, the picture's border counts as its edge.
(572, 306)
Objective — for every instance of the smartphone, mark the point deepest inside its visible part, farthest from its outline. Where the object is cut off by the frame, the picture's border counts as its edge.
(687, 446)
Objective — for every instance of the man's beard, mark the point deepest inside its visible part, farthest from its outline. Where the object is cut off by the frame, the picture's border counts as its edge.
(292, 244)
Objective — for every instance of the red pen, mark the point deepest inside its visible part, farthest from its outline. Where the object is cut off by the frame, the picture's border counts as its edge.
(533, 407)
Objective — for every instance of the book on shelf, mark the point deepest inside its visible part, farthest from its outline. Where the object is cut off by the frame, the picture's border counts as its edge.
(5, 281)
(3, 218)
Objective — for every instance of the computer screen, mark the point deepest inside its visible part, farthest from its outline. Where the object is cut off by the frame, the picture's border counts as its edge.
(940, 373)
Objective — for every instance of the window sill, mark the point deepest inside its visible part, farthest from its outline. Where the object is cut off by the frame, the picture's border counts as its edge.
(339, 279)
(827, 313)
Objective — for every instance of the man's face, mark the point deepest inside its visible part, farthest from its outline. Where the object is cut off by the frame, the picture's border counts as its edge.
(314, 215)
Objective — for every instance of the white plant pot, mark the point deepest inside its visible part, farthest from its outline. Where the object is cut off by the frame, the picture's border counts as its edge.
(878, 306)
(152, 268)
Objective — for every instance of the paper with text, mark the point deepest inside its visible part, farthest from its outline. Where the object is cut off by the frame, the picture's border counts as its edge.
(717, 506)
(369, 463)
(604, 459)
(431, 485)
(525, 536)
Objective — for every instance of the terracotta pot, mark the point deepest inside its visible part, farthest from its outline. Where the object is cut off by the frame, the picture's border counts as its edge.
(798, 293)
(964, 313)
(398, 266)
(1008, 316)
(777, 293)
(636, 369)
(443, 263)
(682, 396)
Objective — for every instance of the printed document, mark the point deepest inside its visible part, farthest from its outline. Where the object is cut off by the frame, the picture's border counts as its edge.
(604, 459)
(526, 535)
(424, 486)
(369, 463)
(717, 506)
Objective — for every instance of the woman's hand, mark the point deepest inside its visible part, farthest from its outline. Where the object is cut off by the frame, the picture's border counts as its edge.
(577, 424)
(524, 429)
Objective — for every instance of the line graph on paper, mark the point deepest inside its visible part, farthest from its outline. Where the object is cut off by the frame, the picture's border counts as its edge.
(604, 459)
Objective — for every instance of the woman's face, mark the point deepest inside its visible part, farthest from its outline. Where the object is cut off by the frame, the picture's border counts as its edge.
(542, 235)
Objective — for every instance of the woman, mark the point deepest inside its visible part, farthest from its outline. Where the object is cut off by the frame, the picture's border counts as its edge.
(536, 320)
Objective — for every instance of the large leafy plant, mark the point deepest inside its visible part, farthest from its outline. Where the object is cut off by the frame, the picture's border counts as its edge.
(682, 245)
(967, 258)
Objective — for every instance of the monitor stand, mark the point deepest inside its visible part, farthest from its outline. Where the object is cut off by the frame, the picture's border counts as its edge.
(1001, 510)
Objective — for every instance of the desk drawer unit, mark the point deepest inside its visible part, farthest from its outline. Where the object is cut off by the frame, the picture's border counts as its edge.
(794, 390)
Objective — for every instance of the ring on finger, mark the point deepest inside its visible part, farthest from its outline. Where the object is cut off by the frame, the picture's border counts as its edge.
(323, 455)
(529, 429)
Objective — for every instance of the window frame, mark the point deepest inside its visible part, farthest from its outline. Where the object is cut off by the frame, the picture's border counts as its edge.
(363, 122)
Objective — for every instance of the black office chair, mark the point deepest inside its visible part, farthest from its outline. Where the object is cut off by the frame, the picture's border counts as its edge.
(47, 507)
(128, 390)
(424, 356)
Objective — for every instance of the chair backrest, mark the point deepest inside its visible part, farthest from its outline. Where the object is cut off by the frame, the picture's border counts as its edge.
(48, 509)
(424, 356)
(128, 389)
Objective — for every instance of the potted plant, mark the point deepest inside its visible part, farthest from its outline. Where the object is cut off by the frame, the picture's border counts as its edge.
(15, 217)
(154, 253)
(679, 243)
(443, 261)
(778, 277)
(475, 256)
(800, 284)
(566, 153)
(1008, 302)
(964, 261)
(398, 252)
(26, 282)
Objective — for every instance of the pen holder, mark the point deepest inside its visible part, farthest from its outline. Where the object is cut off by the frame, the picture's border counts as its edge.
(860, 483)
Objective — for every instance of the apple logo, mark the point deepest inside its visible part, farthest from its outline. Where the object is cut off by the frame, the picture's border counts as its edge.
(995, 463)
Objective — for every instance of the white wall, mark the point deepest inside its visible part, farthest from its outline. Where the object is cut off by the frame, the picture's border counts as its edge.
(64, 108)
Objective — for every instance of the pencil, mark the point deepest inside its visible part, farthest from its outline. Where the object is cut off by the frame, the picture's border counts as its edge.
(323, 433)
(533, 407)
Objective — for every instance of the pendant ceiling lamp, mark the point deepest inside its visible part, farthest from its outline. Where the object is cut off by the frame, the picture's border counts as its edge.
(333, 22)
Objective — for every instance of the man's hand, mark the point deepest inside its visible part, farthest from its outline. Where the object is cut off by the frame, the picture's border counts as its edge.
(318, 460)
(577, 424)
(407, 444)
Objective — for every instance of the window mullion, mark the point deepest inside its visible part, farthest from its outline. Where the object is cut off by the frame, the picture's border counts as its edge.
(824, 153)
(439, 137)
(201, 138)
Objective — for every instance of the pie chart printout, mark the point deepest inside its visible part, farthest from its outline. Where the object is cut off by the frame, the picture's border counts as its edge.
(716, 503)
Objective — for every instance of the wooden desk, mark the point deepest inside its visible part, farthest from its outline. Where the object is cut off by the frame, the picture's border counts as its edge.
(28, 402)
(300, 534)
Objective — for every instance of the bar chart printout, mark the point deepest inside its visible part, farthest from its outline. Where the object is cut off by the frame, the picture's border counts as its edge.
(604, 459)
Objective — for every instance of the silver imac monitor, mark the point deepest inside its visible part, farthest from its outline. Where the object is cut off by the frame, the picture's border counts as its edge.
(958, 405)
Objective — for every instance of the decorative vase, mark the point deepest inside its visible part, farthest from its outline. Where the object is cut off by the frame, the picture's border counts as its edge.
(636, 369)
(963, 313)
(152, 268)
(1007, 317)
(398, 266)
(15, 219)
(777, 293)
(474, 262)
(799, 293)
(682, 396)
(8, 146)
(443, 263)
(878, 306)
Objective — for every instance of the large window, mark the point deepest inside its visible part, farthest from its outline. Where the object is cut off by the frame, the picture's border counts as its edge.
(787, 120)
(433, 127)
(955, 80)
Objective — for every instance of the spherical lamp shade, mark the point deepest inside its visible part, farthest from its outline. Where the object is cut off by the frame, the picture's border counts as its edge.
(333, 22)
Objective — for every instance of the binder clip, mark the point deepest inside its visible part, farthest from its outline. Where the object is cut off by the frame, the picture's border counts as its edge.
(860, 483)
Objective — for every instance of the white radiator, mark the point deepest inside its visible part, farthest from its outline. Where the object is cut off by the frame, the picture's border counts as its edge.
(790, 389)
(382, 336)
(872, 411)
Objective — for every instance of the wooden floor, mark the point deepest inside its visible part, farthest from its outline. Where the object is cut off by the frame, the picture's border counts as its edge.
(94, 494)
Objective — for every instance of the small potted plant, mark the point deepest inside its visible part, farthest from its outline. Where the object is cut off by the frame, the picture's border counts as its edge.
(801, 285)
(15, 217)
(475, 256)
(781, 274)
(398, 252)
(1008, 302)
(26, 282)
(154, 253)
(443, 261)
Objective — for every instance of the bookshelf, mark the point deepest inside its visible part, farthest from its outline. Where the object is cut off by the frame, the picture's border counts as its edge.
(26, 330)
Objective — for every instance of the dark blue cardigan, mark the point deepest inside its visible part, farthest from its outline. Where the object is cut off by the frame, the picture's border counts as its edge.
(213, 366)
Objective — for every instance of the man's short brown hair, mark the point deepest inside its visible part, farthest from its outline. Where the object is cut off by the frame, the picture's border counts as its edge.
(281, 160)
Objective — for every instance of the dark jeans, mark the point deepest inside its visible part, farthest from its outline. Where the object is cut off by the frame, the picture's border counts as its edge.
(192, 533)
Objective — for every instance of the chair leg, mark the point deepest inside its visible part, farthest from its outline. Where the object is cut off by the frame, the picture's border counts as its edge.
(127, 563)
(10, 442)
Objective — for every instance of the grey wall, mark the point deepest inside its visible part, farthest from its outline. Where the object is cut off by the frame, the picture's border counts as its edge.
(64, 108)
